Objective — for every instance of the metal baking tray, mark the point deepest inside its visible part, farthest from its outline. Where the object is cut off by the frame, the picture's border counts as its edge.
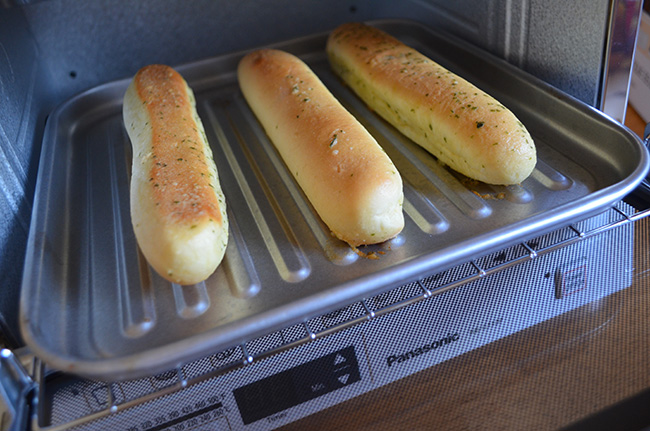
(91, 305)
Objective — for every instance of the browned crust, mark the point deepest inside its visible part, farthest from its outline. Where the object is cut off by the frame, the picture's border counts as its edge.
(179, 176)
(450, 117)
(339, 165)
(335, 140)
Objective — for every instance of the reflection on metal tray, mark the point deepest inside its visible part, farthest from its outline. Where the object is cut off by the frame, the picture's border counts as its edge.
(476, 302)
(91, 305)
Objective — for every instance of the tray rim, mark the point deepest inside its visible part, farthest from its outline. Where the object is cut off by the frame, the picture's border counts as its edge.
(140, 363)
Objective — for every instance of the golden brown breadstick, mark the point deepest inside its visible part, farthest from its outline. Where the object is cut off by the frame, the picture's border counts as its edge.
(461, 125)
(348, 178)
(178, 210)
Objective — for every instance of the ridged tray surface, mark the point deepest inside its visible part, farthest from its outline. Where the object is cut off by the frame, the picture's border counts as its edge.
(92, 305)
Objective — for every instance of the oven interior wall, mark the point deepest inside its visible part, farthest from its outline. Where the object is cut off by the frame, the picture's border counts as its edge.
(51, 50)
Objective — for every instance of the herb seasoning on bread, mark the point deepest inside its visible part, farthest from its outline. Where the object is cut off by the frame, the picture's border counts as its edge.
(346, 176)
(178, 209)
(464, 127)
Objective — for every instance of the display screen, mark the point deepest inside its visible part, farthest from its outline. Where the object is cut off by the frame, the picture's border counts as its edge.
(297, 385)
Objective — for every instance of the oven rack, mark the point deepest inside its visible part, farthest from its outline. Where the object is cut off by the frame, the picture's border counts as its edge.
(323, 325)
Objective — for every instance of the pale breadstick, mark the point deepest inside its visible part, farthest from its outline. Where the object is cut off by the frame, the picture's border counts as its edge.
(348, 178)
(461, 125)
(178, 209)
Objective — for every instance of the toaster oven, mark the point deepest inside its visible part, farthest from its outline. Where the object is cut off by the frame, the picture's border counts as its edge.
(497, 307)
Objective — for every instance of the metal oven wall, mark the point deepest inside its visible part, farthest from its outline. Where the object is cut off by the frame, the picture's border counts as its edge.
(53, 49)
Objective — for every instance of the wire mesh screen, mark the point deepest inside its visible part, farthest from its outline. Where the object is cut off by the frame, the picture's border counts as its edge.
(360, 351)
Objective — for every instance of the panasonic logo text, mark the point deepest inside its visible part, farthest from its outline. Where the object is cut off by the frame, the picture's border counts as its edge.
(426, 348)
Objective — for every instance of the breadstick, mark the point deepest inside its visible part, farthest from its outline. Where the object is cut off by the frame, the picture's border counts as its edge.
(178, 209)
(461, 125)
(347, 177)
